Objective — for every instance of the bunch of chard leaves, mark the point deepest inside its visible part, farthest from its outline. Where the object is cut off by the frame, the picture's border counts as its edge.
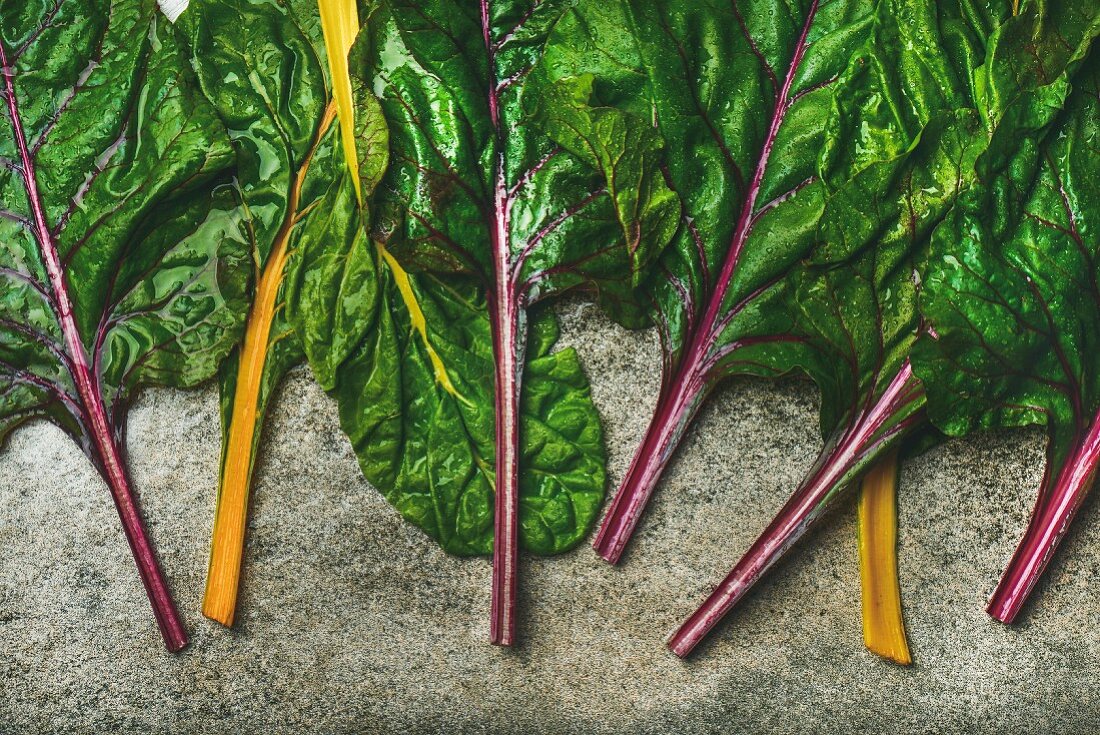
(923, 117)
(1012, 298)
(477, 189)
(119, 265)
(848, 318)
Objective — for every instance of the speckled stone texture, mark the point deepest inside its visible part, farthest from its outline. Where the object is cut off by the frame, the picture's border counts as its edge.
(352, 621)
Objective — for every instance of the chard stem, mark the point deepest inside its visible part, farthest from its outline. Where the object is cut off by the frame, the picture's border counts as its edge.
(883, 625)
(868, 435)
(104, 448)
(230, 513)
(1055, 509)
(231, 509)
(509, 326)
(502, 622)
(670, 421)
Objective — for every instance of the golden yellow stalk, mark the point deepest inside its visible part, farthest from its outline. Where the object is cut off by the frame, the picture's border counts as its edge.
(340, 25)
(227, 545)
(883, 625)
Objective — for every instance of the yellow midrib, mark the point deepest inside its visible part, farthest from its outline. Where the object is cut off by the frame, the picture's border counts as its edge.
(883, 625)
(340, 25)
(419, 323)
(227, 544)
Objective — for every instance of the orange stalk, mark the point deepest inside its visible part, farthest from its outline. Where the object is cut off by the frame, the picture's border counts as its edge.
(883, 625)
(227, 544)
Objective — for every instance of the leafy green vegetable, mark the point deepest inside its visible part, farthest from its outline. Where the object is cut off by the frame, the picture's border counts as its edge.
(1011, 294)
(858, 296)
(119, 261)
(739, 92)
(262, 66)
(477, 188)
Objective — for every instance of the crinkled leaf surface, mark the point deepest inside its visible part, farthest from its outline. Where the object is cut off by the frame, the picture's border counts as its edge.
(1011, 294)
(262, 65)
(470, 156)
(125, 156)
(921, 114)
(1014, 303)
(739, 92)
(425, 438)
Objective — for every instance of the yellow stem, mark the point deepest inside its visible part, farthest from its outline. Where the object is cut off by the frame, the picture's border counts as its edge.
(340, 26)
(227, 544)
(883, 625)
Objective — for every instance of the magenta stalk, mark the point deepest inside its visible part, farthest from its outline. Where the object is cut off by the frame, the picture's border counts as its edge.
(1055, 509)
(666, 429)
(868, 435)
(104, 445)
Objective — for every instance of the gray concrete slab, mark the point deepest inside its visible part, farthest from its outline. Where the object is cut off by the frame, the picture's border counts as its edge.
(352, 621)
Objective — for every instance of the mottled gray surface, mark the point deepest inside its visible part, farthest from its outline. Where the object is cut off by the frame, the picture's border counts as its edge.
(351, 621)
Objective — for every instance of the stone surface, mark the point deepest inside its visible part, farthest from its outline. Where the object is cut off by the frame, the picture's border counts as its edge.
(352, 621)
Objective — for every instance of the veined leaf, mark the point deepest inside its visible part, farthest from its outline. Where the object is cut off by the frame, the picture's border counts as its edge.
(120, 261)
(476, 187)
(739, 92)
(1011, 294)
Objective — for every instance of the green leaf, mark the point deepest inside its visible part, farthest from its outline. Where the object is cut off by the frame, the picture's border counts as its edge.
(477, 187)
(1013, 302)
(120, 257)
(738, 92)
(414, 384)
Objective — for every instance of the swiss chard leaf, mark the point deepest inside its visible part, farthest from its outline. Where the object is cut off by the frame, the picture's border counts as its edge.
(408, 357)
(262, 66)
(1011, 294)
(120, 264)
(477, 187)
(739, 92)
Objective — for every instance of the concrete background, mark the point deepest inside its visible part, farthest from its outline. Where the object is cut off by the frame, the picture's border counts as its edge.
(352, 621)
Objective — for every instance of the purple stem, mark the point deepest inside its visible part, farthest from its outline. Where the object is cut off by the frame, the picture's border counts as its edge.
(681, 397)
(867, 435)
(507, 318)
(1054, 511)
(108, 454)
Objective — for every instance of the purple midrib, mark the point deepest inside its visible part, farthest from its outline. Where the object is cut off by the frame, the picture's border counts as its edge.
(505, 309)
(86, 383)
(858, 443)
(704, 333)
